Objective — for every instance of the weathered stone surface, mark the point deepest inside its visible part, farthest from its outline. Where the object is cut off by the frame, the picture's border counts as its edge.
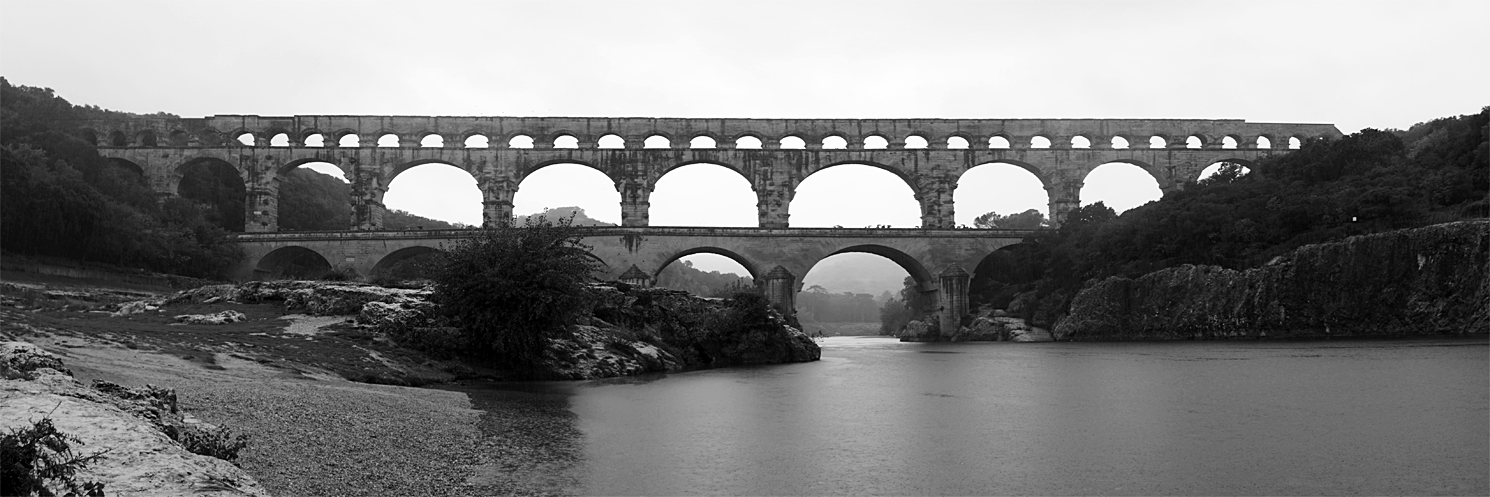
(920, 331)
(316, 298)
(24, 360)
(998, 326)
(1422, 281)
(135, 307)
(223, 317)
(138, 458)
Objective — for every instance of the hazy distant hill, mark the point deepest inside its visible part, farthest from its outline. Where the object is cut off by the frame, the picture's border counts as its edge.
(857, 273)
(554, 215)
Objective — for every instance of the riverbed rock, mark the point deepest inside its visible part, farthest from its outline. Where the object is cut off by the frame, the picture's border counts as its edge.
(317, 298)
(1423, 281)
(919, 331)
(135, 307)
(997, 326)
(223, 317)
(633, 330)
(137, 457)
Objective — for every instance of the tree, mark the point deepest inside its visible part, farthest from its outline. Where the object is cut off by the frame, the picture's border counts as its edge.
(512, 288)
(1027, 220)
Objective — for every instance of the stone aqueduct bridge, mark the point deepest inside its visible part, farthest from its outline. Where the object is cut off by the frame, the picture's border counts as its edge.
(163, 149)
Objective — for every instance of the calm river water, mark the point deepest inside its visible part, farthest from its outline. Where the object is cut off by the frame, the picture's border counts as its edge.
(876, 416)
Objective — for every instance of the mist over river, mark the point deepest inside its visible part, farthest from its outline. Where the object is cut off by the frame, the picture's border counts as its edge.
(876, 416)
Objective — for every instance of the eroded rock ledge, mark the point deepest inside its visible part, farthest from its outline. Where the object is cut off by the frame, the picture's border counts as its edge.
(1423, 281)
(138, 459)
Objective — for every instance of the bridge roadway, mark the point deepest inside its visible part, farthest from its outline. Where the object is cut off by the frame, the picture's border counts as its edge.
(940, 260)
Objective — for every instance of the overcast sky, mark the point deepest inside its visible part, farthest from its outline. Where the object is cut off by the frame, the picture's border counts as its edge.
(1352, 63)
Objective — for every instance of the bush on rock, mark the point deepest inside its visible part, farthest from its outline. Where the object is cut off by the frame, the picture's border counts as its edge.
(510, 288)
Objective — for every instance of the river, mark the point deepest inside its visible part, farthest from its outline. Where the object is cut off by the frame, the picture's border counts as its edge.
(876, 416)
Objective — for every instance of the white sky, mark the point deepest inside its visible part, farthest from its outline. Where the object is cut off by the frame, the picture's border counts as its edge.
(1355, 64)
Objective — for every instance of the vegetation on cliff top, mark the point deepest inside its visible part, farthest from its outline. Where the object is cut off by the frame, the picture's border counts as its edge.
(1367, 182)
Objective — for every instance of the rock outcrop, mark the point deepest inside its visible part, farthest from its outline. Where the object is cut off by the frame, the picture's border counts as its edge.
(644, 330)
(124, 424)
(997, 326)
(224, 317)
(317, 298)
(1423, 281)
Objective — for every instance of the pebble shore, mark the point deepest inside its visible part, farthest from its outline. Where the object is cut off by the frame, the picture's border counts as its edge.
(317, 435)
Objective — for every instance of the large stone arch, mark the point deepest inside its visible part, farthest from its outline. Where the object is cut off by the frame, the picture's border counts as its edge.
(898, 172)
(389, 262)
(525, 170)
(401, 167)
(292, 261)
(910, 264)
(247, 208)
(918, 184)
(128, 165)
(1166, 178)
(749, 266)
(1039, 173)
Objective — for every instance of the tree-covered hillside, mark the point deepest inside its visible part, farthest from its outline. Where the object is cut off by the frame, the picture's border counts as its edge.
(1367, 182)
(59, 198)
(314, 201)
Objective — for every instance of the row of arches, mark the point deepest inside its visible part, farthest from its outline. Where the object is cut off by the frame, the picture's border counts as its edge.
(349, 138)
(705, 194)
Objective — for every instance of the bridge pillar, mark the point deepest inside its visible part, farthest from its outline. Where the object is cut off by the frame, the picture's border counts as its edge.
(781, 290)
(261, 194)
(367, 196)
(634, 202)
(261, 209)
(935, 197)
(952, 297)
(1065, 196)
(496, 199)
(773, 201)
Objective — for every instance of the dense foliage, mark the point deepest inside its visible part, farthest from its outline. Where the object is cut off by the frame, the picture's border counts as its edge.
(37, 459)
(1366, 182)
(1026, 220)
(896, 312)
(511, 288)
(59, 198)
(818, 304)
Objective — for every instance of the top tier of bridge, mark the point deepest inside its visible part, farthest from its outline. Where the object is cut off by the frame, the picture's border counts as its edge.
(225, 130)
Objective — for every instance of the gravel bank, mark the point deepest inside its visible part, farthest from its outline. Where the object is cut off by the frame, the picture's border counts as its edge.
(315, 435)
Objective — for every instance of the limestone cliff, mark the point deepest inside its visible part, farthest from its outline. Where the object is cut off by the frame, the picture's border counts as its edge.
(1423, 281)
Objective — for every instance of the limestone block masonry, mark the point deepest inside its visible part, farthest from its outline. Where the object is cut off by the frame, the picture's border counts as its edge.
(930, 155)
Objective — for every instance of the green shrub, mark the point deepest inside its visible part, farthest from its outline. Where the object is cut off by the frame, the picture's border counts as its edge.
(37, 459)
(220, 443)
(512, 288)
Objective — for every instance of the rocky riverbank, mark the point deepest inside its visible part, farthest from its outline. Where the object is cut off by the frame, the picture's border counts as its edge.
(272, 361)
(1424, 281)
(134, 432)
(988, 325)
